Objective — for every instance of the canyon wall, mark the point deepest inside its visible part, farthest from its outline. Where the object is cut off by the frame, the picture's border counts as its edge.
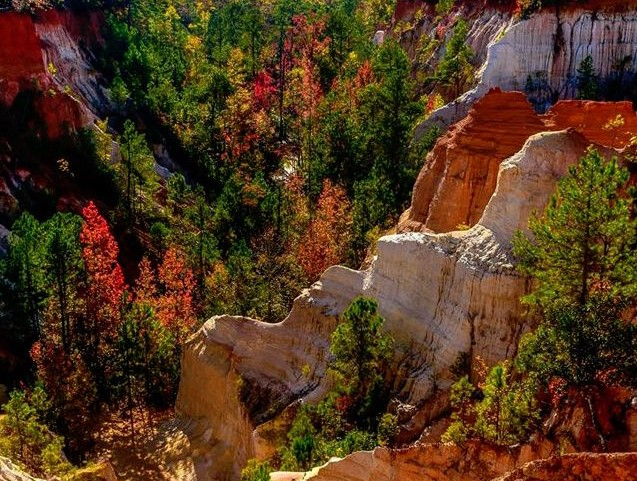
(441, 295)
(475, 462)
(549, 48)
(459, 174)
(48, 55)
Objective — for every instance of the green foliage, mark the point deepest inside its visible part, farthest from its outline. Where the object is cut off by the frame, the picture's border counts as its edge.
(303, 440)
(502, 411)
(508, 410)
(584, 242)
(582, 257)
(24, 270)
(443, 7)
(256, 471)
(455, 67)
(387, 429)
(26, 439)
(361, 353)
(587, 80)
(582, 345)
(352, 416)
(136, 170)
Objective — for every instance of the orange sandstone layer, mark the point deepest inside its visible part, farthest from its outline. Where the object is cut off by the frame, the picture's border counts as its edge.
(460, 174)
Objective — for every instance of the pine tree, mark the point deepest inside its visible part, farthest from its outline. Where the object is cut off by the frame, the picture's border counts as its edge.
(587, 80)
(361, 351)
(454, 69)
(64, 266)
(583, 244)
(25, 269)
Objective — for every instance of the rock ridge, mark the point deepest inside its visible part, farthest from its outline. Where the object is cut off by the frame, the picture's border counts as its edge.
(459, 175)
(441, 295)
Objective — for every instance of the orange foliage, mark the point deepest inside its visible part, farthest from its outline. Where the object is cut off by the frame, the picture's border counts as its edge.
(324, 242)
(105, 285)
(170, 293)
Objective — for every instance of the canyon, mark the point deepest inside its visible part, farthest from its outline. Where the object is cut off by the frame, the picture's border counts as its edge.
(445, 281)
(442, 294)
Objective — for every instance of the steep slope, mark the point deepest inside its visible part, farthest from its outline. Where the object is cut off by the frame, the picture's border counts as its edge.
(459, 175)
(546, 50)
(441, 295)
(577, 467)
(46, 56)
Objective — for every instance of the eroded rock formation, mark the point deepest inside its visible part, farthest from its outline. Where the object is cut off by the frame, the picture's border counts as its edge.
(578, 467)
(475, 462)
(570, 429)
(10, 472)
(441, 295)
(47, 55)
(548, 49)
(459, 175)
(429, 462)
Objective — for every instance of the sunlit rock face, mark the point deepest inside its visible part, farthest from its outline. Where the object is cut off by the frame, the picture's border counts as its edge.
(441, 295)
(548, 49)
(459, 175)
(10, 472)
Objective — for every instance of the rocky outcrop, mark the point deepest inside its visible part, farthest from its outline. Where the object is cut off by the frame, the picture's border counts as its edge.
(101, 471)
(475, 462)
(65, 38)
(441, 295)
(578, 467)
(459, 175)
(10, 472)
(429, 462)
(548, 49)
(612, 124)
(570, 429)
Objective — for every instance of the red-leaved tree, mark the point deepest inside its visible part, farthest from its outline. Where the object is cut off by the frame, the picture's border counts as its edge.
(103, 293)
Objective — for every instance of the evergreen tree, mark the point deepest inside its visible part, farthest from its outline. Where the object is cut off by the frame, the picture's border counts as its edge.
(26, 439)
(137, 166)
(26, 276)
(587, 80)
(64, 268)
(584, 242)
(454, 69)
(361, 353)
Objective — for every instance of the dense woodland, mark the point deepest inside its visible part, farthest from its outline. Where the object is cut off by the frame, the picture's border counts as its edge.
(290, 133)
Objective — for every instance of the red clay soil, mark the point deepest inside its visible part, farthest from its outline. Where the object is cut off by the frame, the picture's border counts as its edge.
(460, 174)
(22, 63)
(20, 53)
(578, 467)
